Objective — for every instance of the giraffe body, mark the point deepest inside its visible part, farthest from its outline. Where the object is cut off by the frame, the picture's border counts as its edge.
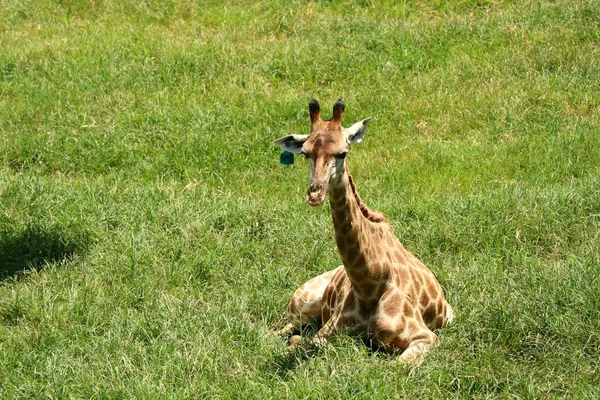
(382, 292)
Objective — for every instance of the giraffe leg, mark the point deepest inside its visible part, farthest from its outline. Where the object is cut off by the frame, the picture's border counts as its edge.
(305, 305)
(420, 345)
(320, 339)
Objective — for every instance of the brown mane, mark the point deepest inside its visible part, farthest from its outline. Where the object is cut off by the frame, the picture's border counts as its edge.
(366, 212)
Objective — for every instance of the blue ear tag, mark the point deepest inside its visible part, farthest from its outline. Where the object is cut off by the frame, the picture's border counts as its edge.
(286, 158)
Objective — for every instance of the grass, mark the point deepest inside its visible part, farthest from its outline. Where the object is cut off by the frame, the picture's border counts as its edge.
(149, 240)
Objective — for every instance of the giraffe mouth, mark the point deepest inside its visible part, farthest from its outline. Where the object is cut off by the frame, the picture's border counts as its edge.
(315, 200)
(315, 196)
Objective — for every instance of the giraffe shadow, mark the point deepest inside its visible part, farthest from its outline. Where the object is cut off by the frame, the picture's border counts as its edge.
(35, 248)
(282, 364)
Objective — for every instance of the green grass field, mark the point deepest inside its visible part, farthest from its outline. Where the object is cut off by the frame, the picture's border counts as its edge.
(150, 240)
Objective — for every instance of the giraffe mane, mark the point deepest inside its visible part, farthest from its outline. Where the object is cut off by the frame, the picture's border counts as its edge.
(366, 212)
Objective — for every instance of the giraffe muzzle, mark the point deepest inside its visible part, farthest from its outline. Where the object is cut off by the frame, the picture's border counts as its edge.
(315, 196)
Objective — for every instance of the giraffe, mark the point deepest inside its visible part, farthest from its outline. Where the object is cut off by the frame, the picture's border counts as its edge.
(381, 292)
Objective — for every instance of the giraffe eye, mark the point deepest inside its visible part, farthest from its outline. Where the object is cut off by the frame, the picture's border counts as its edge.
(341, 156)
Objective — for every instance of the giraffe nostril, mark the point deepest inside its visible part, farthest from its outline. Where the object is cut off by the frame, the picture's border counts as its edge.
(314, 188)
(316, 194)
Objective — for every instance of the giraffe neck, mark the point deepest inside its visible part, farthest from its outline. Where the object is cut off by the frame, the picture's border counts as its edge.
(358, 233)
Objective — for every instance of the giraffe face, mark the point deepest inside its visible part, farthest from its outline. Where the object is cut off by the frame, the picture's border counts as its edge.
(325, 148)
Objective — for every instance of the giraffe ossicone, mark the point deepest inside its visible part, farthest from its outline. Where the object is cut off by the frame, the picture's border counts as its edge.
(382, 292)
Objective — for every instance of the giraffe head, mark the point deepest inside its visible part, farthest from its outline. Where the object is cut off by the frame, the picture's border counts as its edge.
(325, 148)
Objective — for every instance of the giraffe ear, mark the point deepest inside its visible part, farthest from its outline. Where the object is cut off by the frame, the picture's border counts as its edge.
(291, 143)
(357, 131)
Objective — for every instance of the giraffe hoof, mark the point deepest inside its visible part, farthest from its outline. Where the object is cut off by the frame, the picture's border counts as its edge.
(295, 344)
(287, 330)
(296, 341)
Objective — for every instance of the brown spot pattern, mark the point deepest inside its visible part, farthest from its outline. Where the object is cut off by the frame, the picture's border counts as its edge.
(430, 314)
(392, 305)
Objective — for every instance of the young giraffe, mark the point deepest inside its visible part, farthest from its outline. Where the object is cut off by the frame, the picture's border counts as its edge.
(382, 292)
